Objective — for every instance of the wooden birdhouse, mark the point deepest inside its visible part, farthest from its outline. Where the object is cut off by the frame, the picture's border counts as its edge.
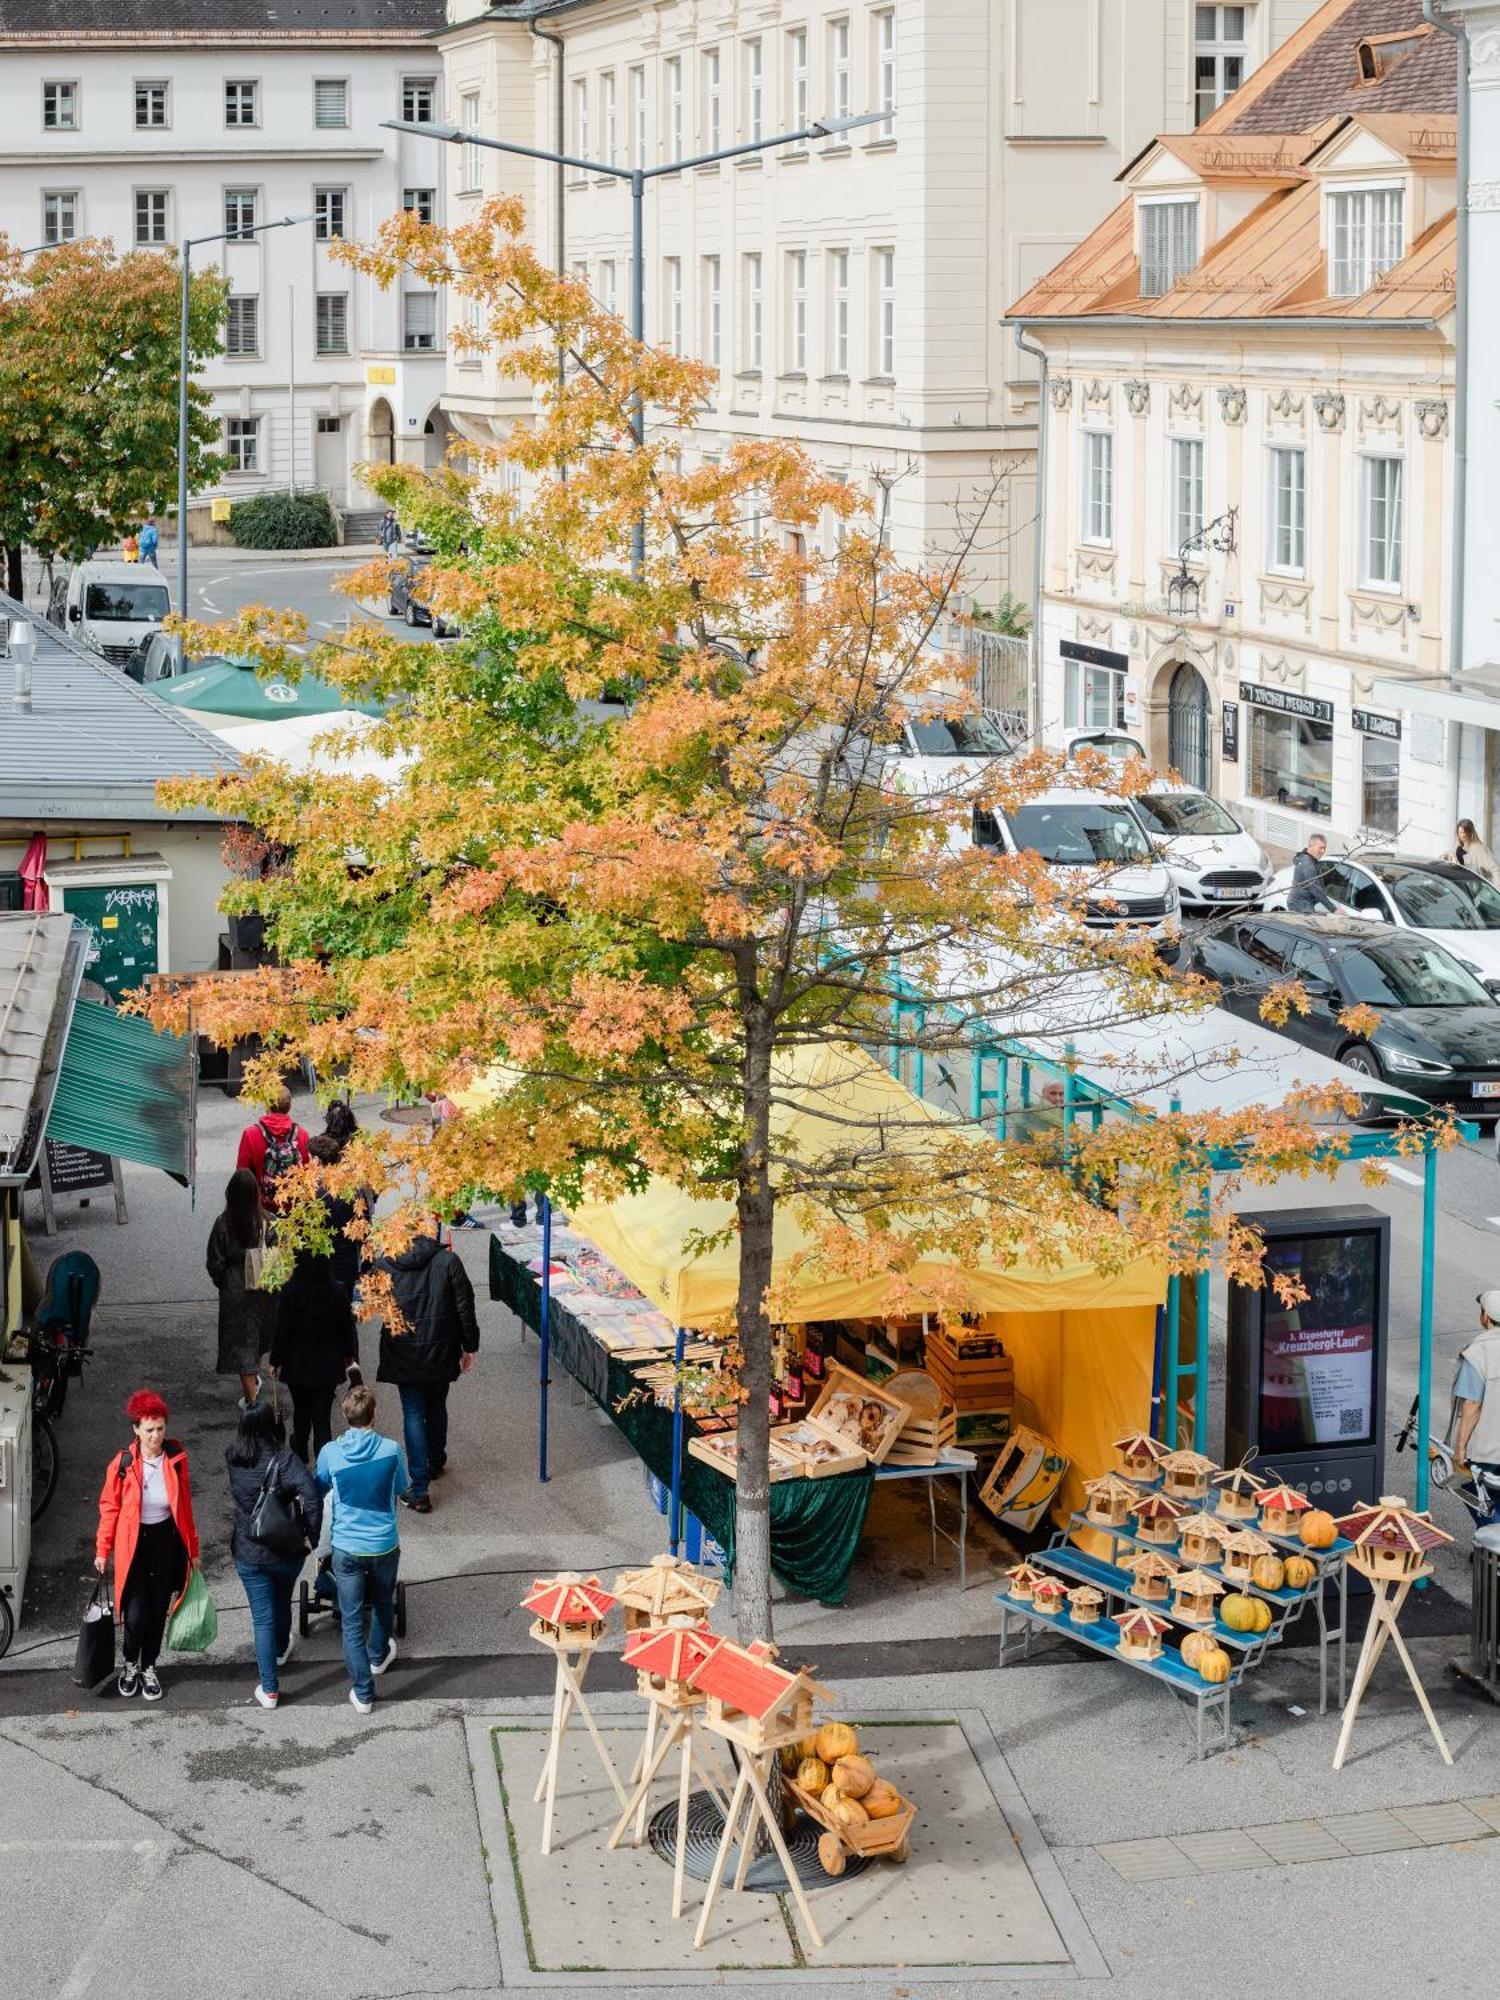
(1049, 1596)
(753, 1701)
(1185, 1474)
(666, 1592)
(568, 1610)
(664, 1658)
(1110, 1500)
(1139, 1454)
(1021, 1580)
(1085, 1604)
(1203, 1538)
(1279, 1508)
(1140, 1634)
(1158, 1518)
(1391, 1539)
(1237, 1490)
(1153, 1574)
(1193, 1595)
(1241, 1551)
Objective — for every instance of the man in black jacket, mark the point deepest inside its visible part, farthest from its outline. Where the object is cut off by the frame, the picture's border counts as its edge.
(440, 1340)
(1308, 893)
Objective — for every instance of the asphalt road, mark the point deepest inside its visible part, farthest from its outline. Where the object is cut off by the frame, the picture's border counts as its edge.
(219, 590)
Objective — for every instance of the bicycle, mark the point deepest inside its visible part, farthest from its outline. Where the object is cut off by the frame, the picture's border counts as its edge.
(55, 1359)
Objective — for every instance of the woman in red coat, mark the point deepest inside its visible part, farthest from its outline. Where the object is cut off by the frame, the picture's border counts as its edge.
(146, 1519)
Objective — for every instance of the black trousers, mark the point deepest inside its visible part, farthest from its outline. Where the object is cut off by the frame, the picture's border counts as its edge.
(156, 1575)
(312, 1411)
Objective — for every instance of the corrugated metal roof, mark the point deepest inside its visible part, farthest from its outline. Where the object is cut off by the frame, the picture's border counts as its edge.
(41, 963)
(273, 20)
(93, 744)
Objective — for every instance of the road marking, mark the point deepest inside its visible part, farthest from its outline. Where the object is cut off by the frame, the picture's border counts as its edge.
(1493, 1221)
(1402, 1174)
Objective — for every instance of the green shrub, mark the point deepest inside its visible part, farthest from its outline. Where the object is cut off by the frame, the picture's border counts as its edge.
(284, 521)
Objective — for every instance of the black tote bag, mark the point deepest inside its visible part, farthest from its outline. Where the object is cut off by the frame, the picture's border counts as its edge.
(94, 1661)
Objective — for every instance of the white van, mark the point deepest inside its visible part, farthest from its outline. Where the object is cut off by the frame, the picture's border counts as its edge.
(115, 606)
(1097, 843)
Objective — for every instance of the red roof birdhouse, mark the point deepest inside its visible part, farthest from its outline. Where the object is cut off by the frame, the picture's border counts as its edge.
(1141, 1633)
(1390, 1538)
(751, 1699)
(568, 1608)
(1157, 1517)
(665, 1657)
(1139, 1454)
(1279, 1508)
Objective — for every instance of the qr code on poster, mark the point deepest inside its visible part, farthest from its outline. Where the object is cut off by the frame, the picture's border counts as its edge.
(1351, 1423)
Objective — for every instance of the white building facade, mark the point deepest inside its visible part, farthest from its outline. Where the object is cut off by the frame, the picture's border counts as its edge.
(850, 292)
(191, 121)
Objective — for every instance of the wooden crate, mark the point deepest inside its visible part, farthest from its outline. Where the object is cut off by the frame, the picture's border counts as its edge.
(841, 1386)
(923, 1440)
(878, 1838)
(801, 1442)
(722, 1453)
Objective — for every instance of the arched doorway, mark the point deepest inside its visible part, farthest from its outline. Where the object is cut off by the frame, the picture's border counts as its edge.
(1189, 716)
(382, 432)
(437, 437)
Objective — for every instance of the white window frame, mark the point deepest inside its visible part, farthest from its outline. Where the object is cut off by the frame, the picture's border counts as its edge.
(1185, 482)
(609, 293)
(243, 299)
(1221, 51)
(421, 202)
(52, 217)
(752, 271)
(341, 84)
(419, 338)
(609, 120)
(1366, 232)
(1093, 697)
(1286, 553)
(713, 311)
(327, 200)
(636, 91)
(841, 81)
(838, 312)
(671, 294)
(883, 25)
(140, 194)
(159, 84)
(1179, 251)
(239, 229)
(67, 90)
(797, 79)
(242, 444)
(673, 109)
(884, 257)
(1382, 552)
(753, 56)
(1389, 749)
(326, 351)
(1098, 488)
(410, 86)
(469, 118)
(796, 308)
(241, 84)
(580, 119)
(712, 63)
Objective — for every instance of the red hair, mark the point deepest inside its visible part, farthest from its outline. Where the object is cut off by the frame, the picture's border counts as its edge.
(145, 1405)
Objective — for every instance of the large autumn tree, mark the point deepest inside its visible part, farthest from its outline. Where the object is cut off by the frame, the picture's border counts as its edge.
(89, 345)
(638, 921)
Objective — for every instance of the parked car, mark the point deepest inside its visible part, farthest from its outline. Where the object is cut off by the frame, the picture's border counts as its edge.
(1211, 857)
(1111, 743)
(408, 561)
(1438, 1034)
(1438, 899)
(114, 607)
(158, 659)
(1094, 842)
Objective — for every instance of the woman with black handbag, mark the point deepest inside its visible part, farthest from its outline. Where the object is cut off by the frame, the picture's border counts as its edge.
(278, 1511)
(314, 1346)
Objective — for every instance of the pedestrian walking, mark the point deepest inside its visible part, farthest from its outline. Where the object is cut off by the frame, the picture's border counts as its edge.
(328, 1147)
(258, 1461)
(365, 1474)
(246, 1314)
(390, 531)
(146, 1523)
(1470, 852)
(1308, 893)
(440, 1339)
(313, 1348)
(273, 1144)
(149, 541)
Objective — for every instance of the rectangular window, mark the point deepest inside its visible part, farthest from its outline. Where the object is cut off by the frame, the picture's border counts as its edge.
(796, 293)
(672, 301)
(1093, 697)
(60, 217)
(674, 107)
(755, 89)
(1220, 53)
(754, 310)
(150, 107)
(1380, 521)
(242, 443)
(418, 99)
(1098, 486)
(581, 118)
(469, 121)
(838, 312)
(151, 219)
(1366, 237)
(713, 101)
(422, 202)
(838, 69)
(239, 212)
(885, 312)
(1169, 244)
(330, 103)
(611, 137)
(608, 285)
(638, 116)
(1187, 490)
(1289, 509)
(328, 213)
(241, 102)
(885, 70)
(419, 321)
(333, 322)
(796, 77)
(713, 312)
(1291, 761)
(60, 107)
(242, 324)
(1380, 783)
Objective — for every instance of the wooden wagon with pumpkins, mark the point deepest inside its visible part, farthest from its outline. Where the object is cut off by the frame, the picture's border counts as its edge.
(876, 1839)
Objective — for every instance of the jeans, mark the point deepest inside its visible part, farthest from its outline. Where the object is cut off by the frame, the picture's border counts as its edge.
(268, 1591)
(424, 1420)
(365, 1583)
(156, 1574)
(312, 1410)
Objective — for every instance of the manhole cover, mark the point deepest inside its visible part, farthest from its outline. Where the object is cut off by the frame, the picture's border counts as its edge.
(766, 1876)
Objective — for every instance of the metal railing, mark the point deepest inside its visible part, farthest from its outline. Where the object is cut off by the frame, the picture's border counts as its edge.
(1000, 664)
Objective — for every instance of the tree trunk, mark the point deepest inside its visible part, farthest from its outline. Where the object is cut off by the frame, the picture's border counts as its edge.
(15, 581)
(756, 1208)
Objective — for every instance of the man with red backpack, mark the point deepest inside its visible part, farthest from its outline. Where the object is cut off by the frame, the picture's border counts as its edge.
(272, 1145)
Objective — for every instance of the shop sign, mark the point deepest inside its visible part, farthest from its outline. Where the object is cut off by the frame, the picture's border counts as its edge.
(1369, 724)
(1305, 705)
(1231, 748)
(77, 1169)
(1094, 656)
(378, 372)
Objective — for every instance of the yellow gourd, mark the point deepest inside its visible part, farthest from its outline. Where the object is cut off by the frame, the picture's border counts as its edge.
(1213, 1665)
(807, 1746)
(835, 1740)
(1260, 1615)
(1299, 1572)
(813, 1775)
(1194, 1646)
(1238, 1612)
(1268, 1571)
(854, 1776)
(849, 1812)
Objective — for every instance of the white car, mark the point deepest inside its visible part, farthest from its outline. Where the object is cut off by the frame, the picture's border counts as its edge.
(1094, 842)
(1212, 859)
(1439, 900)
(943, 758)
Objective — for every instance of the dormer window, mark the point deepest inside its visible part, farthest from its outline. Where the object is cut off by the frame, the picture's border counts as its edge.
(1366, 237)
(1169, 244)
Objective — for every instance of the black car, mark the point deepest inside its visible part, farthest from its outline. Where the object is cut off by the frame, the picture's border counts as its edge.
(408, 560)
(1438, 1035)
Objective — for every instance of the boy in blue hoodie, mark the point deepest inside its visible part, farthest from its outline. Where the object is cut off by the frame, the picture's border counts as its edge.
(366, 1474)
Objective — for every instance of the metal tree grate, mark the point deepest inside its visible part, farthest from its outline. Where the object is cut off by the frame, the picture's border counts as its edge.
(766, 1876)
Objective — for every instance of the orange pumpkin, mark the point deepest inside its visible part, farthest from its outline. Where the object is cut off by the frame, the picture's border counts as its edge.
(854, 1776)
(813, 1776)
(1213, 1665)
(882, 1801)
(835, 1740)
(1269, 1572)
(1299, 1572)
(1317, 1529)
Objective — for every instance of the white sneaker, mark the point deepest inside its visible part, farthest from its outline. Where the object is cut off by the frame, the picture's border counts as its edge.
(379, 1666)
(151, 1687)
(364, 1707)
(266, 1700)
(286, 1654)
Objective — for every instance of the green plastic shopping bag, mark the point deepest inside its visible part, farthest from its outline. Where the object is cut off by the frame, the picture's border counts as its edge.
(194, 1623)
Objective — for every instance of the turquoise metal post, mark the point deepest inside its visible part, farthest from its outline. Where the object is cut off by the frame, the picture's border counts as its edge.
(1173, 1332)
(1004, 1093)
(1424, 1323)
(1200, 1358)
(920, 1066)
(976, 1085)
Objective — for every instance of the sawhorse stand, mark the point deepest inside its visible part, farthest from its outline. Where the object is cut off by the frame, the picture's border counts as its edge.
(750, 1802)
(1389, 1593)
(567, 1696)
(682, 1732)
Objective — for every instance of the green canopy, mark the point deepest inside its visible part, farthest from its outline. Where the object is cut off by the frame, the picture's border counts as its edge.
(226, 688)
(126, 1090)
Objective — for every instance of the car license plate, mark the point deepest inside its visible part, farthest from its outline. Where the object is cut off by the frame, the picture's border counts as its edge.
(1488, 1089)
(1230, 895)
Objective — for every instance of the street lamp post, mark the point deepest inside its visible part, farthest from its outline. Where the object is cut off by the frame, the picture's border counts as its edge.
(189, 245)
(636, 178)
